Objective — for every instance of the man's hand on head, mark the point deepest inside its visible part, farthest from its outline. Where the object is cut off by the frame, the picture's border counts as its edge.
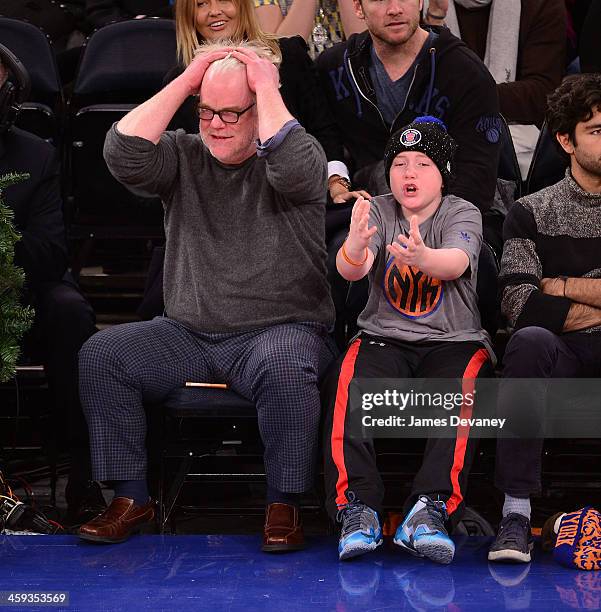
(261, 73)
(195, 72)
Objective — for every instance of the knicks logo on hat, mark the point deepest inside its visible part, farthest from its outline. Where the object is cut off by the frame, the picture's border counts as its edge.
(410, 137)
(411, 292)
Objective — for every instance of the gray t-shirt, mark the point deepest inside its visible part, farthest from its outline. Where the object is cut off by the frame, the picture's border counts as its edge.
(245, 244)
(406, 304)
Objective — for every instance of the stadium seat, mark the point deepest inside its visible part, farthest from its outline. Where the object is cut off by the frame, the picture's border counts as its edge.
(548, 165)
(486, 289)
(122, 64)
(43, 113)
(125, 62)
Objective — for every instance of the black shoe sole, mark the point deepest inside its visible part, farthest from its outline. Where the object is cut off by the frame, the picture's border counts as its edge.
(281, 548)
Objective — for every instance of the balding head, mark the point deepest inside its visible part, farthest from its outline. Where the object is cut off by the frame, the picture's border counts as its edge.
(229, 62)
(229, 81)
(224, 88)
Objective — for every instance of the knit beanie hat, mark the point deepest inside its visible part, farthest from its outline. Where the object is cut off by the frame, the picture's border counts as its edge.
(578, 543)
(427, 135)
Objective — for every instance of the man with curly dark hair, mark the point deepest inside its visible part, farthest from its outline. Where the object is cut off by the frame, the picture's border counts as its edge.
(551, 295)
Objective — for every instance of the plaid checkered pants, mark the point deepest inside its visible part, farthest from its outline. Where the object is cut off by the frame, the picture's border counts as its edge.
(277, 367)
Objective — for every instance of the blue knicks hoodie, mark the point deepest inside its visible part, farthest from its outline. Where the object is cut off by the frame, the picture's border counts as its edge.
(450, 82)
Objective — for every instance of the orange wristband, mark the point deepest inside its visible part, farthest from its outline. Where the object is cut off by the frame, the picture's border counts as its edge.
(349, 260)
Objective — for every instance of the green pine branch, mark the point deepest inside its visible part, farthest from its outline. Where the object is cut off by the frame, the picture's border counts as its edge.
(14, 318)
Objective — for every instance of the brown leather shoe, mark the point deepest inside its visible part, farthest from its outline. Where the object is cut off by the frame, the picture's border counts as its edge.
(118, 521)
(283, 530)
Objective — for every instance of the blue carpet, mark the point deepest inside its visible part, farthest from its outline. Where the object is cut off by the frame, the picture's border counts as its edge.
(229, 573)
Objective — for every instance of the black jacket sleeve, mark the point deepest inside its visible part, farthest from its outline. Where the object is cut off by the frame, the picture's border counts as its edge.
(42, 252)
(37, 205)
(304, 98)
(475, 125)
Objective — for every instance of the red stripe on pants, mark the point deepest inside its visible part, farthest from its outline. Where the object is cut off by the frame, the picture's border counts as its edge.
(472, 370)
(347, 371)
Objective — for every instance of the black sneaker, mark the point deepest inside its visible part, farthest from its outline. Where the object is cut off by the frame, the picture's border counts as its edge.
(514, 541)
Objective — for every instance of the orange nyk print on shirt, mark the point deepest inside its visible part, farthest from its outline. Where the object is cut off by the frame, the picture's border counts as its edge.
(411, 292)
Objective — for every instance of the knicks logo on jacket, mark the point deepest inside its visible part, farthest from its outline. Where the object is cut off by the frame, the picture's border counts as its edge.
(410, 292)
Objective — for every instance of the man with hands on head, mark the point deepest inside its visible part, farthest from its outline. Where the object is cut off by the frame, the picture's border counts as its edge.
(246, 296)
(419, 247)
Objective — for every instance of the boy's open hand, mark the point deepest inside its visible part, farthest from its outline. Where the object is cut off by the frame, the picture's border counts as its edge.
(360, 234)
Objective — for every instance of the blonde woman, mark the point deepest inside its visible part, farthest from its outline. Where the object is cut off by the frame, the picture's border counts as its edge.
(199, 21)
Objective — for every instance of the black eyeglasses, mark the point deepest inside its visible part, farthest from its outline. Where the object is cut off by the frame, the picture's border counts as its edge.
(227, 116)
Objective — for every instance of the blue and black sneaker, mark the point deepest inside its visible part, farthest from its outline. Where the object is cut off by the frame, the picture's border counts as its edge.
(423, 531)
(361, 531)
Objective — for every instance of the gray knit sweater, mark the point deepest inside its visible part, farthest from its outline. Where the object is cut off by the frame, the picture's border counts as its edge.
(245, 244)
(553, 232)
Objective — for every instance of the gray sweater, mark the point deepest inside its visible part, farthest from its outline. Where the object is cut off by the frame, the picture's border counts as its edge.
(553, 232)
(245, 244)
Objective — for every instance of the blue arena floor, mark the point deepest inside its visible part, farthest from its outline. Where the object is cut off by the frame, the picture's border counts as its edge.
(229, 573)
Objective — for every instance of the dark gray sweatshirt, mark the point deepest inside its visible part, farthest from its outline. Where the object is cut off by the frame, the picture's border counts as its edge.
(245, 244)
